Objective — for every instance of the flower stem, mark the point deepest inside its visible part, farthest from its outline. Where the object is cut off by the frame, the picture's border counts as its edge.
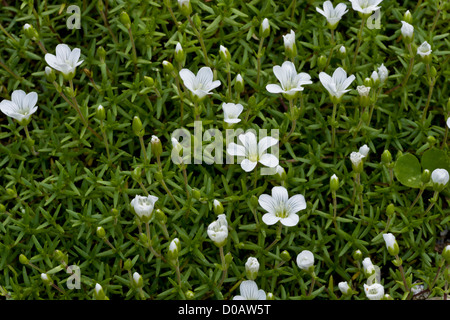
(258, 73)
(410, 67)
(333, 125)
(105, 139)
(433, 201)
(363, 21)
(402, 272)
(224, 267)
(417, 198)
(313, 282)
(149, 243)
(27, 133)
(141, 140)
(430, 92)
(278, 237)
(200, 39)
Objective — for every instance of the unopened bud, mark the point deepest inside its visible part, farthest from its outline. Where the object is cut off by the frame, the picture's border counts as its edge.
(321, 62)
(160, 216)
(185, 7)
(137, 127)
(23, 259)
(407, 17)
(174, 249)
(446, 254)
(149, 82)
(30, 32)
(264, 29)
(334, 183)
(189, 295)
(46, 279)
(100, 113)
(138, 281)
(50, 74)
(125, 19)
(285, 256)
(251, 268)
(179, 53)
(101, 53)
(217, 207)
(239, 84)
(156, 146)
(386, 157)
(390, 210)
(99, 294)
(224, 54)
(426, 176)
(128, 265)
(100, 232)
(167, 66)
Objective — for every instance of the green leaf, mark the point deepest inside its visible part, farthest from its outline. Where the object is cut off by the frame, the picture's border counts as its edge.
(435, 159)
(408, 171)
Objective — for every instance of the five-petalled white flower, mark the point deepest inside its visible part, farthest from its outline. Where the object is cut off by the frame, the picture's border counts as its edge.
(424, 50)
(333, 15)
(201, 84)
(21, 106)
(231, 112)
(374, 291)
(253, 151)
(249, 291)
(365, 6)
(337, 84)
(218, 230)
(143, 206)
(66, 61)
(281, 208)
(305, 260)
(291, 82)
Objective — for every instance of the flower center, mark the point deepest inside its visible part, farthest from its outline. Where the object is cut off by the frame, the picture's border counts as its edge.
(281, 211)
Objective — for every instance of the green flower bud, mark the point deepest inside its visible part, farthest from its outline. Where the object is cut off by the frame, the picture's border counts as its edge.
(160, 216)
(239, 84)
(30, 32)
(180, 56)
(342, 53)
(100, 113)
(136, 174)
(156, 146)
(196, 194)
(334, 183)
(100, 5)
(321, 62)
(254, 202)
(264, 29)
(189, 295)
(23, 259)
(224, 54)
(128, 265)
(185, 7)
(433, 71)
(158, 176)
(100, 232)
(125, 19)
(11, 193)
(390, 210)
(138, 281)
(386, 157)
(143, 238)
(197, 22)
(173, 251)
(426, 176)
(50, 74)
(368, 82)
(285, 256)
(167, 67)
(270, 296)
(218, 207)
(228, 258)
(99, 294)
(137, 127)
(431, 140)
(407, 17)
(357, 255)
(59, 256)
(251, 268)
(149, 82)
(391, 244)
(101, 53)
(446, 254)
(46, 279)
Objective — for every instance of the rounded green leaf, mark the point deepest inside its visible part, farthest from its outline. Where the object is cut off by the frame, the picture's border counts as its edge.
(408, 171)
(435, 159)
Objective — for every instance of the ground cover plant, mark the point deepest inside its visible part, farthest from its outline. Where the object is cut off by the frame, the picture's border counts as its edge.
(279, 150)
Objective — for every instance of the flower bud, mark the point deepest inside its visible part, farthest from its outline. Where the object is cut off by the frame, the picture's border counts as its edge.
(264, 29)
(440, 179)
(407, 17)
(100, 232)
(156, 146)
(251, 268)
(224, 54)
(59, 256)
(125, 19)
(390, 210)
(357, 255)
(138, 281)
(391, 244)
(196, 194)
(285, 256)
(345, 288)
(322, 62)
(160, 216)
(363, 91)
(99, 294)
(143, 238)
(149, 82)
(30, 32)
(446, 254)
(137, 127)
(218, 207)
(180, 56)
(228, 258)
(50, 74)
(254, 202)
(433, 71)
(46, 279)
(101, 53)
(136, 174)
(280, 173)
(334, 183)
(357, 161)
(239, 84)
(100, 113)
(342, 52)
(167, 67)
(270, 296)
(426, 176)
(185, 7)
(368, 267)
(383, 73)
(407, 32)
(289, 45)
(305, 260)
(386, 157)
(218, 231)
(128, 265)
(174, 249)
(23, 259)
(189, 295)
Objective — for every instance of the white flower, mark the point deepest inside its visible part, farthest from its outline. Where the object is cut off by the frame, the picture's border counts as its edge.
(143, 206)
(231, 112)
(218, 230)
(252, 268)
(374, 291)
(383, 73)
(281, 208)
(365, 6)
(201, 84)
(407, 30)
(375, 77)
(65, 61)
(364, 150)
(305, 260)
(21, 106)
(356, 158)
(289, 40)
(391, 243)
(249, 291)
(291, 81)
(363, 91)
(337, 84)
(333, 15)
(448, 122)
(344, 287)
(342, 50)
(154, 139)
(440, 176)
(368, 266)
(424, 49)
(253, 151)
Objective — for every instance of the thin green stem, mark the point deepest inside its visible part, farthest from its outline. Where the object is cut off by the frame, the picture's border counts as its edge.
(402, 272)
(433, 201)
(141, 140)
(224, 267)
(200, 39)
(105, 139)
(258, 58)
(27, 133)
(363, 21)
(410, 67)
(417, 198)
(333, 125)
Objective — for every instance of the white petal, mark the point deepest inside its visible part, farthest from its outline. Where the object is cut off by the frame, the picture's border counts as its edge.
(62, 52)
(280, 194)
(274, 88)
(269, 160)
(290, 221)
(205, 76)
(265, 143)
(17, 97)
(248, 165)
(270, 219)
(30, 100)
(296, 203)
(267, 203)
(188, 78)
(236, 150)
